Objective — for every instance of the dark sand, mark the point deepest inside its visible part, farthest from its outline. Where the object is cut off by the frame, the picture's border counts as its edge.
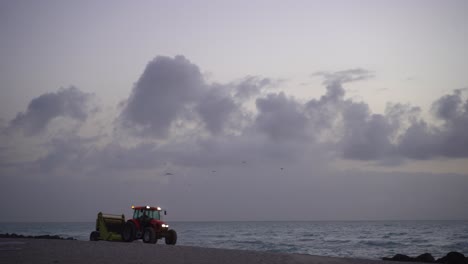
(68, 251)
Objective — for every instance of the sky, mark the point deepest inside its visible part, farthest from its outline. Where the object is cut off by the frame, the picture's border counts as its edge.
(234, 110)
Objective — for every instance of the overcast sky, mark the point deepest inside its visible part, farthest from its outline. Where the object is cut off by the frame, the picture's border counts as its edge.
(234, 110)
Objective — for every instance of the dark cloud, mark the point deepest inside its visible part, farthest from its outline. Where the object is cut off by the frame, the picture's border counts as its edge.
(251, 86)
(453, 110)
(334, 81)
(358, 133)
(345, 76)
(281, 118)
(398, 134)
(165, 90)
(419, 141)
(216, 109)
(70, 102)
(173, 90)
(326, 112)
(340, 121)
(402, 133)
(450, 139)
(366, 136)
(400, 116)
(67, 152)
(449, 107)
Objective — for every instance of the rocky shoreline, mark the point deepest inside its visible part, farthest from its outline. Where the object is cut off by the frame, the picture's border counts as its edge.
(13, 235)
(450, 258)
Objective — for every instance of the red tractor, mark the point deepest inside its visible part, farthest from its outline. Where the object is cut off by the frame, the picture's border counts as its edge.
(147, 224)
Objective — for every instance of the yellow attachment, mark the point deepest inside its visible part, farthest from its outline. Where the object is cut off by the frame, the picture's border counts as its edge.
(110, 226)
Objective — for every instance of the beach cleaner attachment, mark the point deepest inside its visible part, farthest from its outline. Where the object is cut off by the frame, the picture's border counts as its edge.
(108, 227)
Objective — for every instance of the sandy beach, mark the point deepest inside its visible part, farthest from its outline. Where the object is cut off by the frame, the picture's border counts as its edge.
(65, 251)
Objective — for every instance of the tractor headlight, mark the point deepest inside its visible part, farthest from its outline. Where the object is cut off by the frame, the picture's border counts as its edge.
(165, 226)
(147, 207)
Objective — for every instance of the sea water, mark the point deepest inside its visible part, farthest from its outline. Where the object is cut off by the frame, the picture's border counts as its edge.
(359, 239)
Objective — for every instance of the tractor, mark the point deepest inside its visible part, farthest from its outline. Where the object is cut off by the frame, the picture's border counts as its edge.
(146, 224)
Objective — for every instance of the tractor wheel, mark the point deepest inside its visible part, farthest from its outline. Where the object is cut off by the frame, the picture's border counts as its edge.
(94, 236)
(149, 236)
(129, 232)
(171, 238)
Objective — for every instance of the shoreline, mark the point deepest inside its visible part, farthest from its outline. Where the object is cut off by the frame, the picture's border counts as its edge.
(26, 250)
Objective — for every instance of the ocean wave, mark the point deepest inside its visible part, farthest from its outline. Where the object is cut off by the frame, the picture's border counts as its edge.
(461, 245)
(336, 240)
(461, 236)
(309, 235)
(305, 239)
(418, 240)
(380, 243)
(251, 242)
(396, 234)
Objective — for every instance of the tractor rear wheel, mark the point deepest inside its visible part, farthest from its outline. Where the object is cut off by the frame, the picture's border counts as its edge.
(149, 235)
(94, 236)
(129, 232)
(171, 238)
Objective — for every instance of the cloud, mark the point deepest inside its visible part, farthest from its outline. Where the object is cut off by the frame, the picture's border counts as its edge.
(366, 136)
(163, 93)
(280, 117)
(356, 132)
(334, 81)
(173, 101)
(449, 107)
(345, 76)
(401, 132)
(423, 140)
(453, 110)
(66, 102)
(173, 91)
(419, 141)
(251, 86)
(194, 142)
(66, 152)
(216, 109)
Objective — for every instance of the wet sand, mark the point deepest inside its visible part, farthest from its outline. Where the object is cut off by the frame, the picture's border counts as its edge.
(69, 251)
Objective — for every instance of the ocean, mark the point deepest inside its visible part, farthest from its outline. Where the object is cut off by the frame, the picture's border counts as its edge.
(357, 239)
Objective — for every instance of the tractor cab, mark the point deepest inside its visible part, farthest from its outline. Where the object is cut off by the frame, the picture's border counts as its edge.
(147, 212)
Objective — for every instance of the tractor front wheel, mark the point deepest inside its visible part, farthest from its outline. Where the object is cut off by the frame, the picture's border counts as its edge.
(149, 236)
(129, 232)
(94, 236)
(171, 238)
